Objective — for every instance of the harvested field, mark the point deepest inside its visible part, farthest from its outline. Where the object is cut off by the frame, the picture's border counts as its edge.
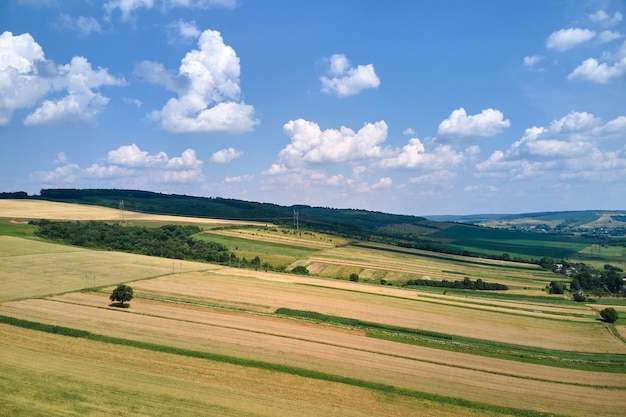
(398, 266)
(33, 268)
(202, 338)
(95, 378)
(328, 350)
(236, 285)
(35, 209)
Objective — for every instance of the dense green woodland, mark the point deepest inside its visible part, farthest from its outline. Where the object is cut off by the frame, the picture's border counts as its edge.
(169, 241)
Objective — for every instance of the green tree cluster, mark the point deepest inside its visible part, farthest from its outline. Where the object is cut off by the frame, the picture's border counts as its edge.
(466, 284)
(168, 241)
(608, 280)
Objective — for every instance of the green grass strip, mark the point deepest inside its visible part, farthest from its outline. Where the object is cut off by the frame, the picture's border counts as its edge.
(274, 367)
(613, 363)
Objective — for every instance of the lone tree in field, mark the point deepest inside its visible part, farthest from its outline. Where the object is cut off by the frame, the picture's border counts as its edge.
(609, 315)
(122, 294)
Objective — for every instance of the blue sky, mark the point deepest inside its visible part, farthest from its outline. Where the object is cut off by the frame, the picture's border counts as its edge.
(425, 107)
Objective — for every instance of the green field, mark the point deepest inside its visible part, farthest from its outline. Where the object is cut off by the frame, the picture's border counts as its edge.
(207, 339)
(476, 239)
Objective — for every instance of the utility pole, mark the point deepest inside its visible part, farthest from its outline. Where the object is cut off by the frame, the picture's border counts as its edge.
(296, 221)
(121, 206)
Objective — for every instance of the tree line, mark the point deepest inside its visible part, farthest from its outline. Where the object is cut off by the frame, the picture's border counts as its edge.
(465, 284)
(168, 241)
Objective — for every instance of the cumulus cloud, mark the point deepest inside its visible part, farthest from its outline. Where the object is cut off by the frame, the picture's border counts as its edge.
(81, 103)
(311, 144)
(211, 100)
(414, 155)
(128, 165)
(568, 145)
(600, 73)
(26, 78)
(489, 122)
(225, 156)
(565, 39)
(347, 81)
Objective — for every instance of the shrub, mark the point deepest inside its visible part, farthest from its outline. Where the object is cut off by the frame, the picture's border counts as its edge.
(300, 270)
(556, 287)
(609, 315)
(579, 297)
(354, 277)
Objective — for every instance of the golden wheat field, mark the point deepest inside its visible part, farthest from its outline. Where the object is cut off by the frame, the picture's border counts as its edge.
(204, 339)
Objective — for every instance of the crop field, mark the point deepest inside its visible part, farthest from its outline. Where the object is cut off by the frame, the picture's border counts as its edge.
(497, 242)
(206, 339)
(24, 210)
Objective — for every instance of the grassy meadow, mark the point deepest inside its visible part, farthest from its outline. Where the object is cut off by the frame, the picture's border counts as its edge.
(205, 339)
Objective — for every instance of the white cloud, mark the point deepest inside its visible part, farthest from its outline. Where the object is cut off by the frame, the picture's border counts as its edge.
(408, 131)
(22, 83)
(489, 122)
(384, 182)
(200, 4)
(129, 100)
(238, 179)
(609, 35)
(567, 147)
(414, 155)
(26, 78)
(210, 102)
(601, 73)
(128, 166)
(348, 81)
(82, 24)
(565, 39)
(603, 17)
(225, 156)
(61, 158)
(182, 30)
(81, 104)
(310, 144)
(532, 62)
(132, 156)
(436, 177)
(127, 7)
(156, 73)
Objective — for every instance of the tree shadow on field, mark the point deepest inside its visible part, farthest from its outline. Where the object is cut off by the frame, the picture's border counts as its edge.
(119, 305)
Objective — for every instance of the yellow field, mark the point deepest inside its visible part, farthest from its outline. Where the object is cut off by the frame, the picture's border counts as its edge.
(20, 210)
(33, 269)
(228, 311)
